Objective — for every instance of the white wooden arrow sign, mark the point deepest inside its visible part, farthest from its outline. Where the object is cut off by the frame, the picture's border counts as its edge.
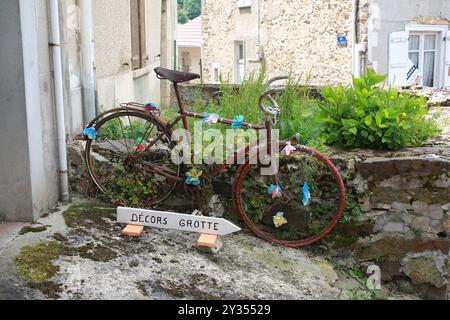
(177, 221)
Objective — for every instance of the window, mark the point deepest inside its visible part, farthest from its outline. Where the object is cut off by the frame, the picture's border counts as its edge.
(216, 73)
(244, 3)
(423, 53)
(239, 61)
(425, 48)
(139, 57)
(186, 61)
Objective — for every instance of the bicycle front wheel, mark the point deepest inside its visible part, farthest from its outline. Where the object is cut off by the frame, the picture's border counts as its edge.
(130, 159)
(298, 205)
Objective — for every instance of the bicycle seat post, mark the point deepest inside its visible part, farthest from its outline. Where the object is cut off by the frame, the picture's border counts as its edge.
(180, 106)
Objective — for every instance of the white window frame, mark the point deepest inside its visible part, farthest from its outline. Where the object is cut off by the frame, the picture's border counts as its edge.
(215, 66)
(244, 3)
(441, 31)
(238, 63)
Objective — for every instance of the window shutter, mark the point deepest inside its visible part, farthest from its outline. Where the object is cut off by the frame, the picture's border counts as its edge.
(135, 38)
(399, 63)
(142, 34)
(447, 61)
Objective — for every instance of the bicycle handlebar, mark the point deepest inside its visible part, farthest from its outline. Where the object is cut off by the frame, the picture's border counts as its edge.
(273, 111)
(268, 95)
(269, 83)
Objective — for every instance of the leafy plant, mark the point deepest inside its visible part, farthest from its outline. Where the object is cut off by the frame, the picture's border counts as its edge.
(369, 115)
(299, 111)
(122, 129)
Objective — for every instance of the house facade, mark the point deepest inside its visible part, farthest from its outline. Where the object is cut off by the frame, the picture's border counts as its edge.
(189, 43)
(326, 42)
(61, 62)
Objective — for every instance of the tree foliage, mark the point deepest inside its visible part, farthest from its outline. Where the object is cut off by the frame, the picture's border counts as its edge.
(188, 10)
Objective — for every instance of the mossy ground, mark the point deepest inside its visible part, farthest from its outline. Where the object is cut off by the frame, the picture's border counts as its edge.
(33, 229)
(96, 252)
(90, 215)
(35, 262)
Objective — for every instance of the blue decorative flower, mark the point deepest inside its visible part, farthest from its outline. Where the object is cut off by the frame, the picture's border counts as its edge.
(90, 133)
(210, 118)
(306, 194)
(238, 122)
(274, 191)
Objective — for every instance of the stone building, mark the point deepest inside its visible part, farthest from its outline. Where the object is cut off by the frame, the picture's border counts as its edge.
(108, 50)
(325, 42)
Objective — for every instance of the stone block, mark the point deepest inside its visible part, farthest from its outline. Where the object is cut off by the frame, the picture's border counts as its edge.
(421, 224)
(393, 227)
(429, 267)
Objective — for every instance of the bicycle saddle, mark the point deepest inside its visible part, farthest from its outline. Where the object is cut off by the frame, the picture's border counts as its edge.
(175, 76)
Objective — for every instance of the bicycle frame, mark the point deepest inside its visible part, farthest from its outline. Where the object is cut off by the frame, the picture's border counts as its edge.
(184, 115)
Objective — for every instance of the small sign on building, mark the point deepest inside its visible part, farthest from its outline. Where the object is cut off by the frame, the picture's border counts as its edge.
(342, 40)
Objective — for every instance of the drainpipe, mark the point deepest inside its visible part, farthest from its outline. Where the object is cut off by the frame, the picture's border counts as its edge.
(355, 53)
(357, 48)
(88, 60)
(59, 101)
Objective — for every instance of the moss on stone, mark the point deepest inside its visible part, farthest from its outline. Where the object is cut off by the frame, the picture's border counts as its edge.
(346, 235)
(273, 260)
(48, 288)
(59, 237)
(96, 253)
(32, 229)
(193, 290)
(35, 262)
(158, 260)
(90, 215)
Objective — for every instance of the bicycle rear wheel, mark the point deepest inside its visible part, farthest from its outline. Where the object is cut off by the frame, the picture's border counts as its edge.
(298, 206)
(130, 159)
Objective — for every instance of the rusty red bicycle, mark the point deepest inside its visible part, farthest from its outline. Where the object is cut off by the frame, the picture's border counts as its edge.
(130, 157)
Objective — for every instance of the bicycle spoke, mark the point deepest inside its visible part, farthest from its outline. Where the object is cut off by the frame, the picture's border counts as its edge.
(311, 197)
(123, 135)
(138, 180)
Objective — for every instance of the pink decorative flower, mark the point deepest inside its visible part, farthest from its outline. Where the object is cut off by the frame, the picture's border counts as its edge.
(289, 148)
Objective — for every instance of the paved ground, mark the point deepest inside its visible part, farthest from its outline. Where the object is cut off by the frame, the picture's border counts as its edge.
(97, 263)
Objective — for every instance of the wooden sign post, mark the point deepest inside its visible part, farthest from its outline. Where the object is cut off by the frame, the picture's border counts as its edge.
(209, 228)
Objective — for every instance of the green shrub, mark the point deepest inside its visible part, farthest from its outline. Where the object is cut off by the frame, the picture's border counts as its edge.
(368, 115)
(299, 114)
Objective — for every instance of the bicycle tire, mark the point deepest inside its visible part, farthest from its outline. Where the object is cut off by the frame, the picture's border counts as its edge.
(256, 230)
(98, 123)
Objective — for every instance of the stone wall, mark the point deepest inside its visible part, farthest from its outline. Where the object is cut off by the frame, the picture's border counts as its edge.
(405, 202)
(297, 36)
(210, 92)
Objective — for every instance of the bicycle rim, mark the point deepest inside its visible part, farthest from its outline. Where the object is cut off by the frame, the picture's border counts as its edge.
(128, 142)
(289, 220)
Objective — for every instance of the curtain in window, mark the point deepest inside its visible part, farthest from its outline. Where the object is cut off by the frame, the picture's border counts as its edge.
(429, 58)
(414, 47)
